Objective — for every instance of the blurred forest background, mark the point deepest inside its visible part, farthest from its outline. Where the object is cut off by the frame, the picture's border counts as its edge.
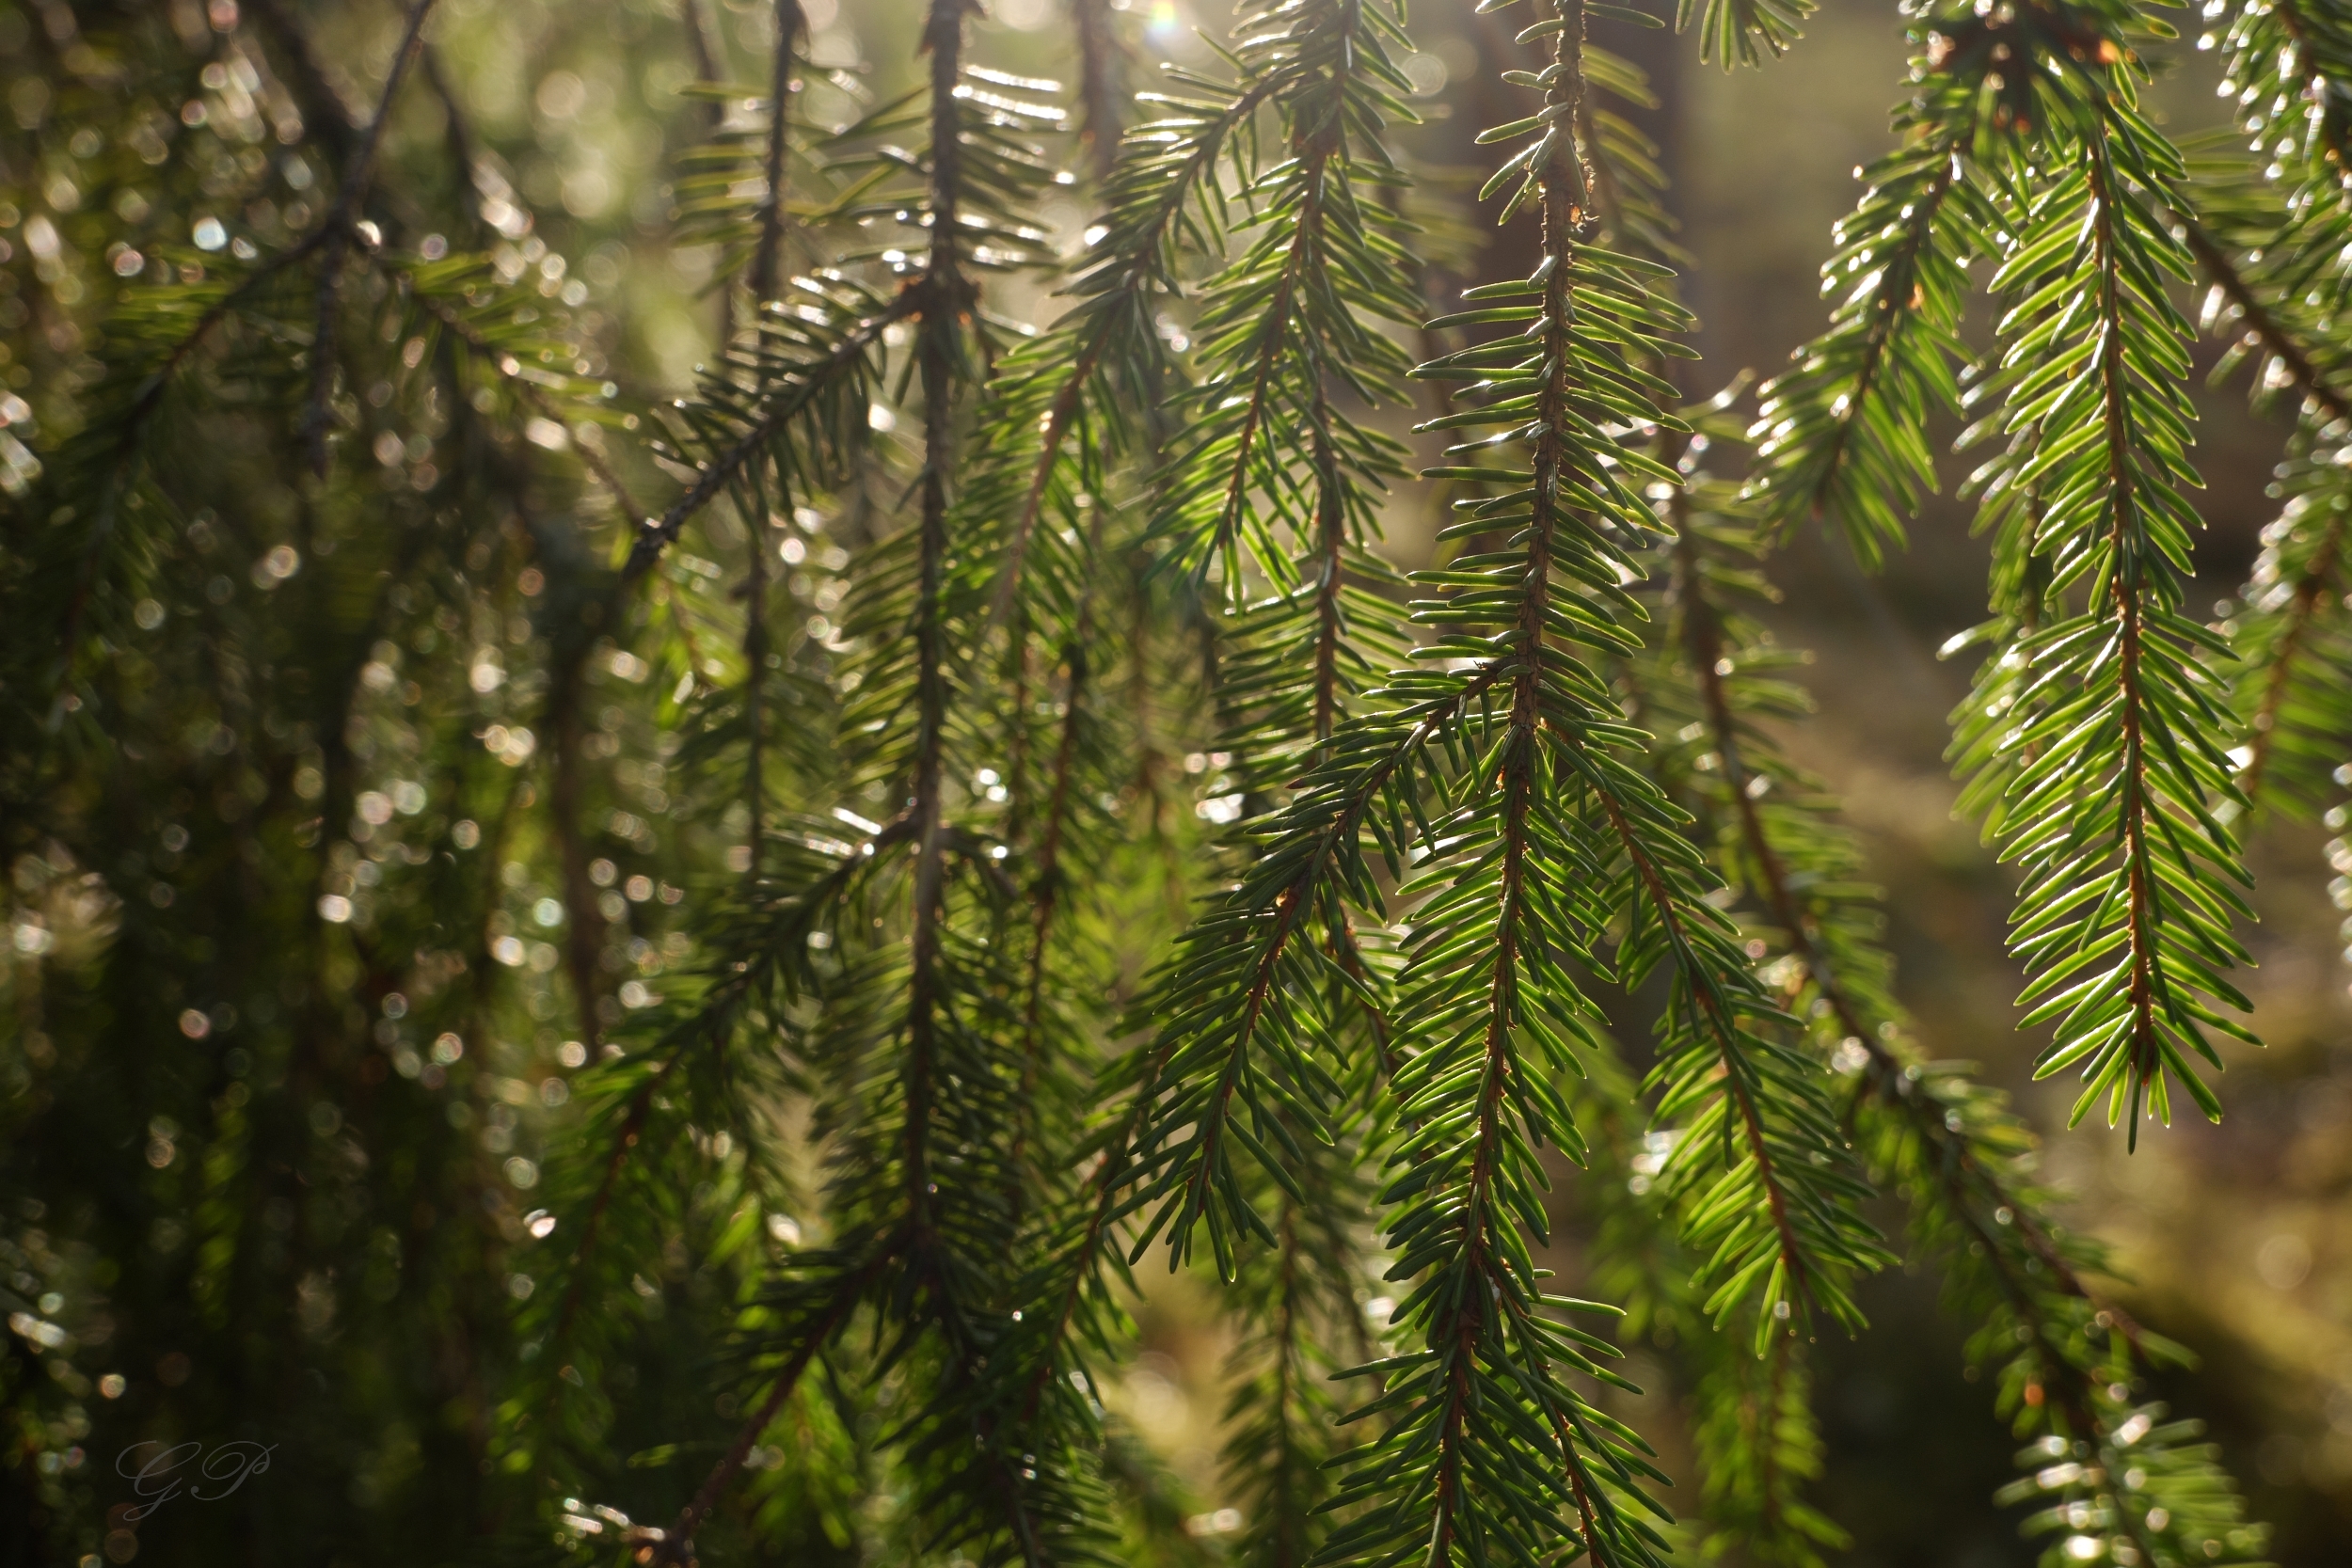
(2235, 1237)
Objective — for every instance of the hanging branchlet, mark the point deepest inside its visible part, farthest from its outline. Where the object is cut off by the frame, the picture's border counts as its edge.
(1064, 404)
(2293, 635)
(1284, 333)
(1842, 435)
(2282, 54)
(2125, 917)
(1298, 1302)
(1289, 324)
(1530, 842)
(905, 983)
(2275, 243)
(336, 233)
(1964, 1163)
(1757, 1443)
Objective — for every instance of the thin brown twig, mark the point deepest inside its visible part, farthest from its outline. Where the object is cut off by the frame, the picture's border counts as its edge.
(789, 25)
(324, 109)
(457, 132)
(337, 232)
(1099, 56)
(709, 72)
(2138, 804)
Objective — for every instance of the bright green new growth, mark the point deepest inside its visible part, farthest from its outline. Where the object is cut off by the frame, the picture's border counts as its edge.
(975, 1018)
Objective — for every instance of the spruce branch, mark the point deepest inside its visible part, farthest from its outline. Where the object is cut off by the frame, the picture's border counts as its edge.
(2292, 637)
(2277, 235)
(1497, 916)
(116, 463)
(1842, 433)
(841, 1299)
(2093, 359)
(1884, 1071)
(1286, 313)
(947, 294)
(1927, 1130)
(1163, 193)
(1236, 971)
(2262, 723)
(681, 1040)
(2291, 354)
(2279, 309)
(1046, 889)
(510, 370)
(2296, 51)
(796, 390)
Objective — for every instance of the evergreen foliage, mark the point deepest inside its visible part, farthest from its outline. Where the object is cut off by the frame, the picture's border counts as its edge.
(737, 1000)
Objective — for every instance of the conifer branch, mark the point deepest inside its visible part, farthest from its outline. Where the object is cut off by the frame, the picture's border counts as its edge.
(1443, 807)
(123, 463)
(1150, 191)
(803, 384)
(2321, 59)
(1842, 433)
(1737, 1074)
(510, 372)
(2319, 581)
(946, 295)
(1884, 1071)
(2092, 358)
(2289, 642)
(678, 1545)
(2128, 584)
(2292, 637)
(2283, 346)
(2289, 65)
(1241, 958)
(1928, 1130)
